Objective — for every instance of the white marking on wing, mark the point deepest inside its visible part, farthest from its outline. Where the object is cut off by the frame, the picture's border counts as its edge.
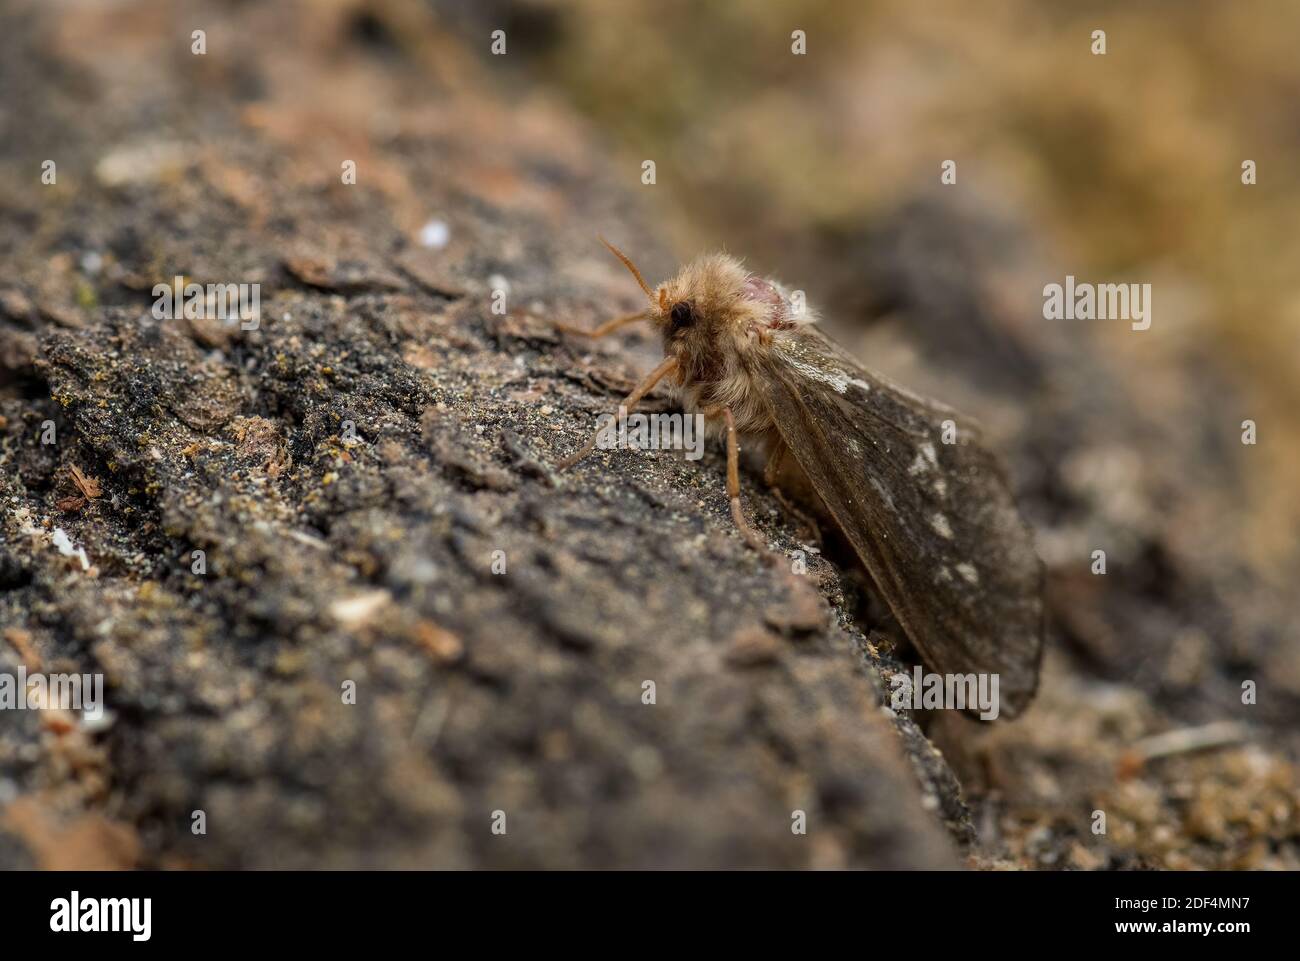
(837, 380)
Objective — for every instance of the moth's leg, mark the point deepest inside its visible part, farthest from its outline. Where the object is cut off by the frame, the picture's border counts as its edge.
(772, 469)
(608, 327)
(771, 477)
(630, 402)
(733, 486)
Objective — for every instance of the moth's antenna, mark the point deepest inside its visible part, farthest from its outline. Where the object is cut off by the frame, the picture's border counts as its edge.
(630, 266)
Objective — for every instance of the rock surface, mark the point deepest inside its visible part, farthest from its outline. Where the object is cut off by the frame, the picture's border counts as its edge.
(357, 494)
(351, 469)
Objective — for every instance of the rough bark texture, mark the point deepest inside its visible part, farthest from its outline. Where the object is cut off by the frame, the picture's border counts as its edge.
(330, 559)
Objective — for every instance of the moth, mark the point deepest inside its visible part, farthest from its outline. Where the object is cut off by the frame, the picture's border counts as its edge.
(906, 480)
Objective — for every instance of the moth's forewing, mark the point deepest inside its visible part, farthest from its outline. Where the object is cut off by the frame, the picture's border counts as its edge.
(934, 523)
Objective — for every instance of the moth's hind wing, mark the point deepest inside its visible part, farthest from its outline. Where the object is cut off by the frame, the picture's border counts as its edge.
(934, 523)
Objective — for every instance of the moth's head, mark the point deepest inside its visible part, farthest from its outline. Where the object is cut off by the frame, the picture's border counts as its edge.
(704, 302)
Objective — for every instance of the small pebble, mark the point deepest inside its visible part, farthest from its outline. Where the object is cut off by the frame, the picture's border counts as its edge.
(435, 234)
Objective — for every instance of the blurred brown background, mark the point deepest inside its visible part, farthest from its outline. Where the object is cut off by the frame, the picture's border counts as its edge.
(1117, 168)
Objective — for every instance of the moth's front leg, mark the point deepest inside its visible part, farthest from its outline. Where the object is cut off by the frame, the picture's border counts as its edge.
(629, 403)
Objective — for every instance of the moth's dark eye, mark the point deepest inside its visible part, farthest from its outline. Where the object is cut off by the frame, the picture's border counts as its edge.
(683, 315)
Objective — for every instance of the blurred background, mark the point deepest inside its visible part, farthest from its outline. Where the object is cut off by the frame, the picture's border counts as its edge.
(1117, 168)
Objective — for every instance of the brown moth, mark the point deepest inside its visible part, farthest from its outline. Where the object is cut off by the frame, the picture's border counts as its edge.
(905, 480)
